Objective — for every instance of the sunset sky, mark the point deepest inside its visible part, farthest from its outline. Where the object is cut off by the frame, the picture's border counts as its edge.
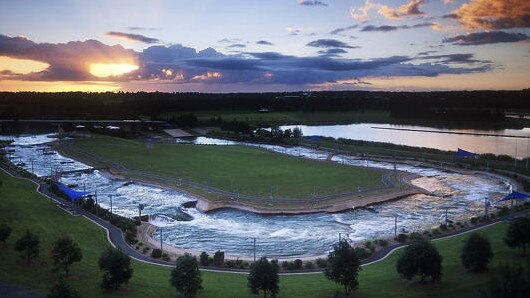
(274, 45)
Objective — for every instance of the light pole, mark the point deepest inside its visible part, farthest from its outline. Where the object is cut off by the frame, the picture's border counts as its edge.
(395, 225)
(160, 239)
(254, 249)
(111, 204)
(486, 207)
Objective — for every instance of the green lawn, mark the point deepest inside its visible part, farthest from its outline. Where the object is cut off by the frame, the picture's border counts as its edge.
(22, 208)
(234, 168)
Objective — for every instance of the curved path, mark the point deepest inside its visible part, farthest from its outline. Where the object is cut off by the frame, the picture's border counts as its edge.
(116, 238)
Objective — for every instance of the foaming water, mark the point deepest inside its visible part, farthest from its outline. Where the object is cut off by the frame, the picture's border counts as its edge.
(280, 236)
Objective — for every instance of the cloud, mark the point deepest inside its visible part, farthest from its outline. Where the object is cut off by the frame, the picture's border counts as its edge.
(411, 8)
(388, 28)
(136, 28)
(493, 14)
(236, 46)
(342, 29)
(480, 38)
(454, 59)
(294, 31)
(264, 43)
(229, 40)
(329, 43)
(362, 13)
(68, 61)
(182, 66)
(311, 3)
(133, 37)
(332, 52)
(447, 2)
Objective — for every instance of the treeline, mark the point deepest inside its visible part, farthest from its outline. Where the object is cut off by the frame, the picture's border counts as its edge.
(127, 105)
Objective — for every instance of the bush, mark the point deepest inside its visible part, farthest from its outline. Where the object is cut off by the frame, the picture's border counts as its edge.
(297, 264)
(474, 220)
(370, 246)
(230, 264)
(145, 249)
(321, 263)
(156, 253)
(382, 242)
(401, 237)
(309, 265)
(166, 257)
(362, 252)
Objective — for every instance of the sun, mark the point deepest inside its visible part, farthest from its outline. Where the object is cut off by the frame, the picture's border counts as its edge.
(104, 70)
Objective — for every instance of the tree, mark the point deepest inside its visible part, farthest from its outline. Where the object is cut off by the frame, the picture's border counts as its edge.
(5, 231)
(518, 233)
(186, 277)
(62, 290)
(28, 246)
(343, 266)
(264, 277)
(219, 258)
(476, 253)
(64, 252)
(420, 258)
(510, 282)
(204, 258)
(117, 268)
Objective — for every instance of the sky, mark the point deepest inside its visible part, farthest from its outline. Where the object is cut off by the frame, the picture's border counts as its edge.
(261, 46)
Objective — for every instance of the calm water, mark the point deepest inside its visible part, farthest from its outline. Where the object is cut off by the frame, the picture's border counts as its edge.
(281, 236)
(443, 139)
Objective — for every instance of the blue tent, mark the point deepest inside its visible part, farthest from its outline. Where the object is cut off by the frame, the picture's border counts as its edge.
(515, 195)
(464, 153)
(72, 194)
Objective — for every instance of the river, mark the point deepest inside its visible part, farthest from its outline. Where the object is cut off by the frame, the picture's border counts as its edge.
(512, 142)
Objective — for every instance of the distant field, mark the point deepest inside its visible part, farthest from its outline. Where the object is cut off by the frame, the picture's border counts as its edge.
(254, 117)
(234, 168)
(22, 208)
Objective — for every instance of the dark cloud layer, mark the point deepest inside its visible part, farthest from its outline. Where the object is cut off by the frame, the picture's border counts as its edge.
(133, 37)
(343, 29)
(312, 3)
(480, 38)
(178, 64)
(329, 43)
(387, 28)
(264, 43)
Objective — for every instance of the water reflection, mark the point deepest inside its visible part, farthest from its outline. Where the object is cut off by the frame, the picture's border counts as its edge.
(443, 141)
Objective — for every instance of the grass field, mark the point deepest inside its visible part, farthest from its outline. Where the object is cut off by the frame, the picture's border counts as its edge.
(22, 208)
(234, 168)
(281, 118)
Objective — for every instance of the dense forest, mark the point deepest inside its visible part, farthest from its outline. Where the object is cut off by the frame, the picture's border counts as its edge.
(460, 105)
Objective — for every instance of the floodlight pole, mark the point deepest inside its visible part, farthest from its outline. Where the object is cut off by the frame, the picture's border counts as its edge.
(486, 207)
(97, 206)
(527, 153)
(160, 239)
(111, 204)
(254, 249)
(340, 237)
(395, 225)
(446, 219)
(515, 158)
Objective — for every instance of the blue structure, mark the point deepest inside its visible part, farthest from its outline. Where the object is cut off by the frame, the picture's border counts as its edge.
(72, 194)
(315, 138)
(465, 154)
(515, 195)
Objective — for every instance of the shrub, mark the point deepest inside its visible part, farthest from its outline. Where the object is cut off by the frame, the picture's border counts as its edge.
(401, 237)
(166, 257)
(297, 264)
(156, 253)
(321, 263)
(230, 264)
(420, 258)
(474, 220)
(309, 265)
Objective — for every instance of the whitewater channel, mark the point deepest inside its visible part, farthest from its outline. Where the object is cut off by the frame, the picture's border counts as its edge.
(277, 236)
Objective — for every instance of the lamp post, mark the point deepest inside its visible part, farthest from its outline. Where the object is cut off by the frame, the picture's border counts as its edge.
(111, 204)
(254, 249)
